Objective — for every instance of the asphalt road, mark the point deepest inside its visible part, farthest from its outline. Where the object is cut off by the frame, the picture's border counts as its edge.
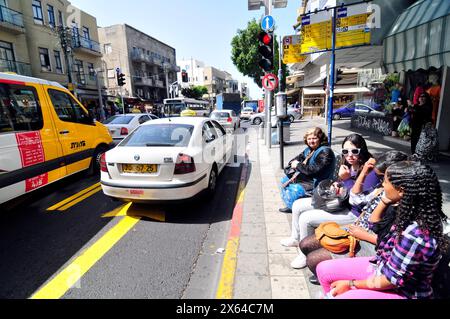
(169, 253)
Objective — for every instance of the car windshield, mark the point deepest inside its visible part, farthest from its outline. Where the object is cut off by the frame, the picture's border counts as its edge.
(160, 135)
(219, 115)
(119, 120)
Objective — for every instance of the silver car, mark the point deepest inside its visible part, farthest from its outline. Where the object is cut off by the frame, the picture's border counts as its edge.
(226, 118)
(293, 114)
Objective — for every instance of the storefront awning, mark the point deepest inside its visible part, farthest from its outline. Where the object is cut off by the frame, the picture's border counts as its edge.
(313, 91)
(293, 92)
(419, 38)
(346, 90)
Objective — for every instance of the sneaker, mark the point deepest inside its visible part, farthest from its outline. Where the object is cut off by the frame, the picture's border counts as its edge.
(289, 242)
(285, 210)
(299, 262)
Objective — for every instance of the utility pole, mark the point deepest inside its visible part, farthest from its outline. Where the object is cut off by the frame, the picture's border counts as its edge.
(65, 38)
(332, 77)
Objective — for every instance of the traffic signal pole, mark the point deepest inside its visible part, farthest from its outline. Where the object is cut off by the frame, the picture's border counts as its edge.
(268, 94)
(332, 76)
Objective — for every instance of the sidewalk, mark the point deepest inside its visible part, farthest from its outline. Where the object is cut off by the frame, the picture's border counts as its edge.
(263, 265)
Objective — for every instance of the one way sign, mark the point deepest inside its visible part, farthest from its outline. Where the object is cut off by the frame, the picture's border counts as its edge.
(270, 82)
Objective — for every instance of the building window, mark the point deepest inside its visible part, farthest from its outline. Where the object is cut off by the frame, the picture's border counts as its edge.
(206, 78)
(45, 60)
(51, 16)
(79, 72)
(86, 34)
(6, 51)
(60, 18)
(37, 12)
(108, 48)
(91, 70)
(58, 63)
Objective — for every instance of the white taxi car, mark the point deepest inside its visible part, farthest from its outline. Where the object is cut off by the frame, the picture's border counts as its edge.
(226, 118)
(121, 125)
(167, 159)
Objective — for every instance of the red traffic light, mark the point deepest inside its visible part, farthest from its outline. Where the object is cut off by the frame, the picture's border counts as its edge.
(265, 38)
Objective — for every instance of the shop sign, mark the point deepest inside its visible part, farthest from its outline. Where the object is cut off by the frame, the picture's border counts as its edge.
(292, 50)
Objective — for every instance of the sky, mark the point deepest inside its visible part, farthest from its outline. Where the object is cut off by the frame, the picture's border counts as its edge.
(201, 29)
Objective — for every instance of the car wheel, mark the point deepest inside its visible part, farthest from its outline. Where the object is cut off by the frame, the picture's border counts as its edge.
(94, 169)
(212, 182)
(336, 117)
(291, 118)
(257, 121)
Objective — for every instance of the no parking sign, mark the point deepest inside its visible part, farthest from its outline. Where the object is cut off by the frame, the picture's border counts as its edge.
(270, 82)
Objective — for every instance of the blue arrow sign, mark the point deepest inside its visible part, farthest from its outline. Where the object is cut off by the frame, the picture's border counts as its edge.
(267, 23)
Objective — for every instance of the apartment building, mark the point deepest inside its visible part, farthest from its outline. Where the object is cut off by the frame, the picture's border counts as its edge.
(30, 44)
(14, 55)
(149, 65)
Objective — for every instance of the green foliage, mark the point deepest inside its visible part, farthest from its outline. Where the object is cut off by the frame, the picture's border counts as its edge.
(195, 92)
(245, 55)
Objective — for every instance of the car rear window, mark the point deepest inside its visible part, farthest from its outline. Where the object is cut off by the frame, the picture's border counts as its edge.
(161, 135)
(119, 120)
(218, 115)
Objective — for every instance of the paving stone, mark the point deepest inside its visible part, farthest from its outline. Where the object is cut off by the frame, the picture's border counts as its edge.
(252, 287)
(252, 264)
(289, 288)
(280, 265)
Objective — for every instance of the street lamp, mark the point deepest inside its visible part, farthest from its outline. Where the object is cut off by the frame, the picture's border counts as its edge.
(256, 4)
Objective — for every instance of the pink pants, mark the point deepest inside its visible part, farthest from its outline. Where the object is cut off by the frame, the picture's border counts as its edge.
(347, 269)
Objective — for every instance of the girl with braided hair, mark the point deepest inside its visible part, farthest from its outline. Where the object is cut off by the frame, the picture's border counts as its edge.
(409, 255)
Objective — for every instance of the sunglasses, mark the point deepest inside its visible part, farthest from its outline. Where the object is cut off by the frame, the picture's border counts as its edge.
(354, 151)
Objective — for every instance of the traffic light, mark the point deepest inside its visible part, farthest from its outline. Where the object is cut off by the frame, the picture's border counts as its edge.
(184, 76)
(338, 75)
(266, 50)
(120, 79)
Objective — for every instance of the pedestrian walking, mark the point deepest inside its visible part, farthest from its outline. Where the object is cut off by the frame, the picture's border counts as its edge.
(421, 114)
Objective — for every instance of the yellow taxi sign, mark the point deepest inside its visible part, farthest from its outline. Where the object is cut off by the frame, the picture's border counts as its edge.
(188, 113)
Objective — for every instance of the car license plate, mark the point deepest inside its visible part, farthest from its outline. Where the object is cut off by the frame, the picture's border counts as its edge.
(139, 168)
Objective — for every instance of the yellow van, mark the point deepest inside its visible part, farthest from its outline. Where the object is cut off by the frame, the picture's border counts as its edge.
(45, 135)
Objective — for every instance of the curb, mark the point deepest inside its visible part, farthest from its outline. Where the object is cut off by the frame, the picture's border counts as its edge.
(226, 282)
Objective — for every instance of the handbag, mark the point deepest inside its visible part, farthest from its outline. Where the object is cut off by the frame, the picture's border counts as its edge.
(335, 239)
(325, 197)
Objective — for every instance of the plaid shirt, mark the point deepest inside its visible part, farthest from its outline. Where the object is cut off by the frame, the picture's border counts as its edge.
(408, 262)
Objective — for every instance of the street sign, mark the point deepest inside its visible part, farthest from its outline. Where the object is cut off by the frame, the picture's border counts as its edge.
(267, 23)
(292, 49)
(270, 82)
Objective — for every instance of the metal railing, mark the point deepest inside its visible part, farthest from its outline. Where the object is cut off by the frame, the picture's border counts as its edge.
(81, 42)
(11, 16)
(141, 57)
(16, 67)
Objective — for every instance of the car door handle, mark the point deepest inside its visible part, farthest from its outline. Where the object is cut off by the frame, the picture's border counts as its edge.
(64, 132)
(213, 152)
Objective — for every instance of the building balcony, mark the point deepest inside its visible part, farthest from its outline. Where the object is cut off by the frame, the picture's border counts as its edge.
(141, 57)
(85, 45)
(142, 81)
(11, 21)
(16, 67)
(159, 83)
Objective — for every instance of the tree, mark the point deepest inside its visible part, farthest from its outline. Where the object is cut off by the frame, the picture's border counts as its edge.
(245, 55)
(195, 92)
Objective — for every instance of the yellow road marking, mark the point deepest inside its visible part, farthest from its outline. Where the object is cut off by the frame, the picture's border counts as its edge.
(71, 198)
(225, 288)
(70, 275)
(80, 199)
(137, 211)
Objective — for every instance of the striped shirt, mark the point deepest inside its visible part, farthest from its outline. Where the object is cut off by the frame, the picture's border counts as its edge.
(408, 262)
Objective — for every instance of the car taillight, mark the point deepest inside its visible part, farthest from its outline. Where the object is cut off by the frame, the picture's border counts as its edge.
(230, 120)
(184, 165)
(103, 167)
(123, 131)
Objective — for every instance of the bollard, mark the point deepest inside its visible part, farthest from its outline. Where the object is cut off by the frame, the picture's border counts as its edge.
(261, 130)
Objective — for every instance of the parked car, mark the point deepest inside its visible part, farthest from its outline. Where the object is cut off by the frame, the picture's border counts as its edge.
(293, 115)
(226, 118)
(246, 113)
(167, 159)
(348, 110)
(121, 125)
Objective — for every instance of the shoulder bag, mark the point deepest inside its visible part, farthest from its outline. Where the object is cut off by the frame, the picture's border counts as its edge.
(335, 239)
